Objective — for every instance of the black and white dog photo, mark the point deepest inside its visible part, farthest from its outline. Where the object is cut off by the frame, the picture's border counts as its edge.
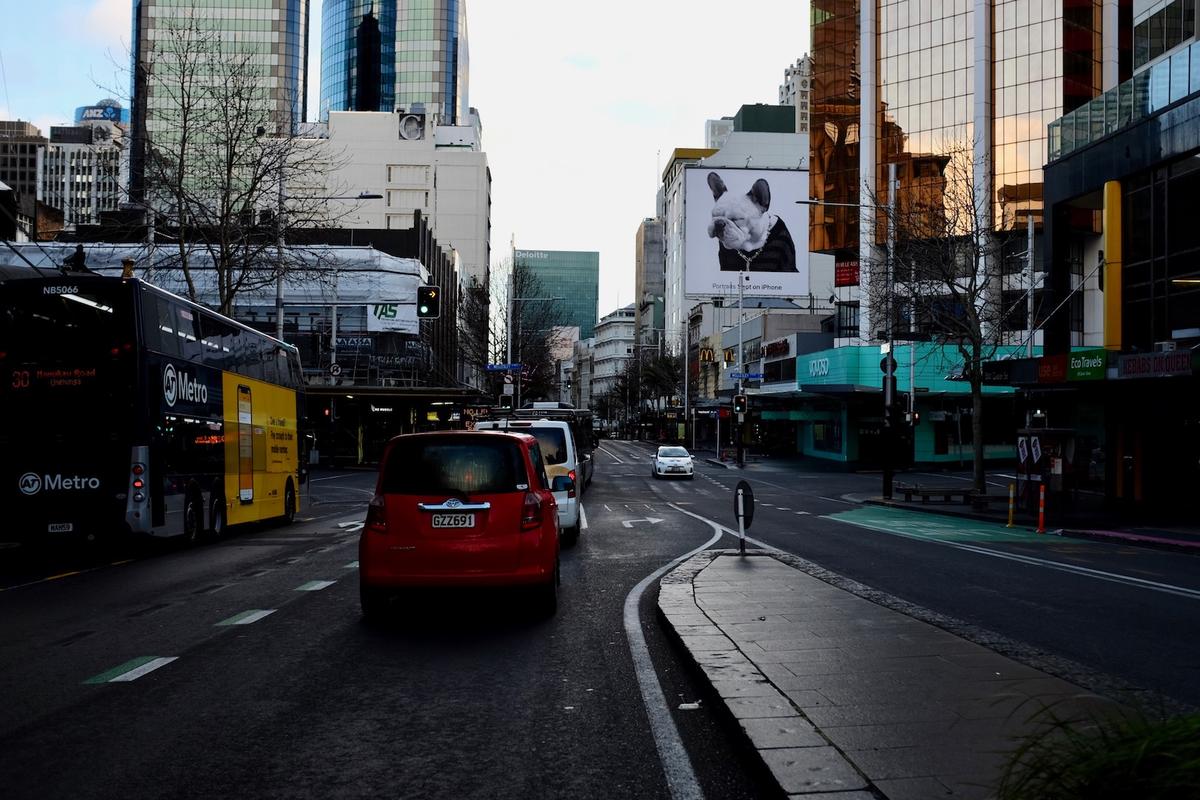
(749, 236)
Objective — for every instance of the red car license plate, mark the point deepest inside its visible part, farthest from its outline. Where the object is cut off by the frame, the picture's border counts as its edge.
(454, 520)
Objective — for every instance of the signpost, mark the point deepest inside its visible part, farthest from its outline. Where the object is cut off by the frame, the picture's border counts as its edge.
(746, 376)
(502, 367)
(743, 509)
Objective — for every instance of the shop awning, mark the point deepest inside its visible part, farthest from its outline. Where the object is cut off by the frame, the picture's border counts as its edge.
(839, 389)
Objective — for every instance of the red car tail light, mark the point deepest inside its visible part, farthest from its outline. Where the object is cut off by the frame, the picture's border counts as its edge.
(531, 512)
(571, 475)
(376, 515)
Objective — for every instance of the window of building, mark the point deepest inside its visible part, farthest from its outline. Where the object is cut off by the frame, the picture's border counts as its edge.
(847, 320)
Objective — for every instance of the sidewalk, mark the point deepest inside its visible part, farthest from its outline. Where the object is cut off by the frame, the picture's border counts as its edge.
(842, 697)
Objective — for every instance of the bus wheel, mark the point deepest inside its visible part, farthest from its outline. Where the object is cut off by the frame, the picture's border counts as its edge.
(216, 517)
(289, 503)
(192, 522)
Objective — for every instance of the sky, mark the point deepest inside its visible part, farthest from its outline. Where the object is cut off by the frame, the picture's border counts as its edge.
(581, 102)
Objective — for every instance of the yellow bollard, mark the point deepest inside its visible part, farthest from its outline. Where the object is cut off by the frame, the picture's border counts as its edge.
(1012, 493)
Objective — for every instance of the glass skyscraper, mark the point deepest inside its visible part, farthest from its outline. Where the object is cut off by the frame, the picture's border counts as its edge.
(272, 33)
(572, 277)
(422, 57)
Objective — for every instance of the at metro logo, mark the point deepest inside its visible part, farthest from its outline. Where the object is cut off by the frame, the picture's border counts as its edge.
(178, 385)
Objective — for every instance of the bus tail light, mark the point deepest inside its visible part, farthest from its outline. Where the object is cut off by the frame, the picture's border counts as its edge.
(376, 515)
(137, 500)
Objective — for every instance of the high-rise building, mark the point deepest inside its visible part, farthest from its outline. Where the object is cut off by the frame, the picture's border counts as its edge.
(19, 144)
(922, 84)
(796, 91)
(650, 277)
(271, 34)
(83, 171)
(571, 277)
(416, 50)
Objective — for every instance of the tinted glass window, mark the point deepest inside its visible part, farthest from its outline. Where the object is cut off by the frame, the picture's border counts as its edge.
(539, 466)
(453, 466)
(553, 442)
(672, 452)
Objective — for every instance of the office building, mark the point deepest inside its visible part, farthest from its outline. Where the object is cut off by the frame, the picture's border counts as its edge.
(19, 145)
(612, 351)
(84, 170)
(572, 278)
(412, 165)
(1116, 391)
(389, 55)
(650, 275)
(796, 91)
(271, 35)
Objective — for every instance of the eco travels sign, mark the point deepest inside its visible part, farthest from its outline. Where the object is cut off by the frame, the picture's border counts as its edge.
(1087, 365)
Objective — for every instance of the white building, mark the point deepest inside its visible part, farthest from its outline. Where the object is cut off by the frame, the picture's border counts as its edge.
(83, 171)
(797, 90)
(613, 349)
(413, 164)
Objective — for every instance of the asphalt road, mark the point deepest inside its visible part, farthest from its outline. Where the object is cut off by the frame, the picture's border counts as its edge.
(243, 668)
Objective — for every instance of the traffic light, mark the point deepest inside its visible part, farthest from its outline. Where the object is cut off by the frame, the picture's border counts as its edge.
(740, 406)
(429, 302)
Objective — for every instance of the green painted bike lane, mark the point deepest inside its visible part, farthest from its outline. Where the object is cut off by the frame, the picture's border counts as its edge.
(936, 527)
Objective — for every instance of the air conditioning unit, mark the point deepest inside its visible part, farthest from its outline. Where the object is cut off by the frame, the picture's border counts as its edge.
(1164, 347)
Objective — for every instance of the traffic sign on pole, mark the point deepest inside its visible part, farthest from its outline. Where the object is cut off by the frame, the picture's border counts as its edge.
(502, 367)
(746, 376)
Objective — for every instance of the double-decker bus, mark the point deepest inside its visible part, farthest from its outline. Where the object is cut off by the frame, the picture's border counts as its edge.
(125, 408)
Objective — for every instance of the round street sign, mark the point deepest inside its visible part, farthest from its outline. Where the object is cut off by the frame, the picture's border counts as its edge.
(746, 495)
(507, 378)
(335, 369)
(883, 364)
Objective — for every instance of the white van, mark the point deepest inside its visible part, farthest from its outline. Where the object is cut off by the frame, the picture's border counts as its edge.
(561, 457)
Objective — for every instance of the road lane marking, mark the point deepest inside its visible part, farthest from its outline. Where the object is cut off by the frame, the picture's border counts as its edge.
(835, 499)
(351, 565)
(333, 477)
(614, 455)
(315, 586)
(678, 488)
(247, 617)
(801, 513)
(132, 670)
(583, 526)
(677, 766)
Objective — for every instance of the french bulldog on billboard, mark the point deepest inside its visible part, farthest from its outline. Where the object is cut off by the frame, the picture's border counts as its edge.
(746, 226)
(749, 236)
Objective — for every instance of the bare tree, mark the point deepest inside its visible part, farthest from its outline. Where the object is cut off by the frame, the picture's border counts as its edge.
(946, 270)
(520, 299)
(221, 165)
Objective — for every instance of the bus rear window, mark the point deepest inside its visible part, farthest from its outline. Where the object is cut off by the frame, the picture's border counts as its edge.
(49, 327)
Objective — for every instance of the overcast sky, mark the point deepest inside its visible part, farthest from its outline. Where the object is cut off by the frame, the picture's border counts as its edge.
(581, 101)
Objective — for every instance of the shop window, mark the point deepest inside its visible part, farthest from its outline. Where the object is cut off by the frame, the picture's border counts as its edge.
(827, 437)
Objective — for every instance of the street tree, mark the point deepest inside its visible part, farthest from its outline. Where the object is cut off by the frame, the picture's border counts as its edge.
(219, 167)
(947, 271)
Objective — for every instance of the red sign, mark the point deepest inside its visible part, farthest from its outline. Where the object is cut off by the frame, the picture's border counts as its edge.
(723, 413)
(1052, 369)
(779, 348)
(845, 273)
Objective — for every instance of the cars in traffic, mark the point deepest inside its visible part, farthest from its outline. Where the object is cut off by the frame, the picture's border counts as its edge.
(461, 509)
(562, 459)
(673, 462)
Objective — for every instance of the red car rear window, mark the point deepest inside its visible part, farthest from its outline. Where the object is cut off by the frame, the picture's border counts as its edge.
(458, 465)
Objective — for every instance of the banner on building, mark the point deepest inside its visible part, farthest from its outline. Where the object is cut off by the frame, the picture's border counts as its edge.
(392, 318)
(745, 221)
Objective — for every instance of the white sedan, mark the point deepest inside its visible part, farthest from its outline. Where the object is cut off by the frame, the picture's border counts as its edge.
(673, 462)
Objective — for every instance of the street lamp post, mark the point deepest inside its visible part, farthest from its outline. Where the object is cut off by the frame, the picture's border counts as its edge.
(889, 362)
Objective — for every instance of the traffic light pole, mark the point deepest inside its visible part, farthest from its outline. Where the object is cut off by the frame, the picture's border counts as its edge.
(741, 430)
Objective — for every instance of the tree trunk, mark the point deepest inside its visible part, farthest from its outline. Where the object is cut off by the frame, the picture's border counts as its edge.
(977, 433)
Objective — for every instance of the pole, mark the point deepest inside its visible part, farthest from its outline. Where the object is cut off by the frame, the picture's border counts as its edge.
(718, 433)
(1041, 528)
(333, 321)
(741, 429)
(279, 265)
(890, 361)
(741, 515)
(1012, 494)
(1029, 280)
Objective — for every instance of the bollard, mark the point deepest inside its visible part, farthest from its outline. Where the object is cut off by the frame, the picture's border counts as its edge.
(1012, 493)
(1041, 528)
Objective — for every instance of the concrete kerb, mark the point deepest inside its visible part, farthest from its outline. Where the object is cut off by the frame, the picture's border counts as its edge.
(799, 759)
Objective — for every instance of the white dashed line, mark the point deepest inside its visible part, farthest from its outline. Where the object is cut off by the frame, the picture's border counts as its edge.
(315, 586)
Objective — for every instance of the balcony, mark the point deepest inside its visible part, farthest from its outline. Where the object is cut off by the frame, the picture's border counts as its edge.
(1138, 98)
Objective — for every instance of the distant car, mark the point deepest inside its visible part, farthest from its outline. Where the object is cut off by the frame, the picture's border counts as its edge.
(461, 508)
(672, 462)
(562, 458)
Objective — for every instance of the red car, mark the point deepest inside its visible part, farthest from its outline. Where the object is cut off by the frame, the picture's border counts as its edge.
(460, 508)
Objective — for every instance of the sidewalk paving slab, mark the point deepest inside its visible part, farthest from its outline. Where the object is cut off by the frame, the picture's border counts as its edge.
(842, 696)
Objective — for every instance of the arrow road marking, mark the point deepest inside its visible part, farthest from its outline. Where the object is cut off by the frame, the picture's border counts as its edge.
(349, 527)
(628, 523)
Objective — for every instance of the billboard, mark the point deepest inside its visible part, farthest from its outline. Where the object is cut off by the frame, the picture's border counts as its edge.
(745, 220)
(392, 318)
